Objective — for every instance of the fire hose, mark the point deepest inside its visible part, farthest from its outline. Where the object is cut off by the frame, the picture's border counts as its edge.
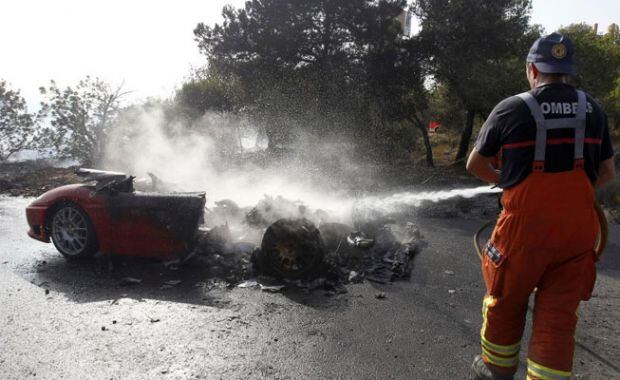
(599, 247)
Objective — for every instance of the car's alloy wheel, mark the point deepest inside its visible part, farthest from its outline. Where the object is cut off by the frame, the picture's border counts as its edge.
(71, 232)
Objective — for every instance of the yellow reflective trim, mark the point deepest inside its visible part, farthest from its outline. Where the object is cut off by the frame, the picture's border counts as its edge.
(532, 372)
(540, 376)
(499, 361)
(488, 300)
(505, 350)
(547, 369)
(546, 373)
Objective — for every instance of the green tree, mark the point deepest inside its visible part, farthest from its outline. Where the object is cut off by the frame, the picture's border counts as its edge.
(320, 65)
(476, 49)
(446, 108)
(597, 58)
(16, 124)
(208, 90)
(598, 64)
(395, 85)
(289, 57)
(80, 118)
(612, 103)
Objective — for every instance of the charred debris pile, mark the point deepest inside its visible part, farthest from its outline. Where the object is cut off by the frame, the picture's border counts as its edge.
(280, 242)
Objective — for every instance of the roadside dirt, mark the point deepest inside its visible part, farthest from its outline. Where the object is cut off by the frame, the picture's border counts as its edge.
(33, 178)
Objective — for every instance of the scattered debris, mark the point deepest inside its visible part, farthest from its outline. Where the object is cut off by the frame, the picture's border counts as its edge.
(170, 284)
(247, 284)
(296, 252)
(357, 239)
(129, 281)
(448, 272)
(355, 277)
(451, 291)
(391, 259)
(612, 214)
(172, 264)
(270, 284)
(215, 284)
(271, 288)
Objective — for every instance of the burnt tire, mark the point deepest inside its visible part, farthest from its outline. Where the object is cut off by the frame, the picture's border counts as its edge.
(72, 232)
(291, 248)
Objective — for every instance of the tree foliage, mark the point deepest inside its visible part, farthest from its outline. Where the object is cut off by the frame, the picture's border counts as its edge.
(208, 90)
(16, 124)
(330, 68)
(598, 64)
(80, 118)
(476, 49)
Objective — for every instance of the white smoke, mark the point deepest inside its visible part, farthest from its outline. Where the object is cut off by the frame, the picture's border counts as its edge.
(196, 159)
(201, 158)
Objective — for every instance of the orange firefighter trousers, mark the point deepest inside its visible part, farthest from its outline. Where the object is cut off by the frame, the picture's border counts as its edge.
(543, 240)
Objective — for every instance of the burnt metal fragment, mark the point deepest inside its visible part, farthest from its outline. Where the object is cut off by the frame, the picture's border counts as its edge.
(128, 281)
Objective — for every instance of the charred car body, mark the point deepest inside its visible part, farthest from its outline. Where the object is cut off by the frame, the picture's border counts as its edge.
(106, 214)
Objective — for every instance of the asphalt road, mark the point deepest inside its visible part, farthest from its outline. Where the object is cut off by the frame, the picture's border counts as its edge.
(75, 321)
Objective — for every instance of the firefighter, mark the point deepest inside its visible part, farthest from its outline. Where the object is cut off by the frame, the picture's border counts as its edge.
(555, 149)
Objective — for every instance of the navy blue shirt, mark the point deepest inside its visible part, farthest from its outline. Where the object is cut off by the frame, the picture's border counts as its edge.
(511, 128)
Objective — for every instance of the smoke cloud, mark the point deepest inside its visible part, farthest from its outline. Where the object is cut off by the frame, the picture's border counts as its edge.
(225, 156)
(222, 155)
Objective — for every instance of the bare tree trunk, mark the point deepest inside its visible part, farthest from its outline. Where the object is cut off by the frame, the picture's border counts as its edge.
(465, 138)
(427, 142)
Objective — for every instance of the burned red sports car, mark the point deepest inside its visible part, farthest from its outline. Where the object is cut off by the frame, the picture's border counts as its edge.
(106, 214)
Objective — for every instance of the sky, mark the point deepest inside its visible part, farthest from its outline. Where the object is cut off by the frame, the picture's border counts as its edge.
(148, 46)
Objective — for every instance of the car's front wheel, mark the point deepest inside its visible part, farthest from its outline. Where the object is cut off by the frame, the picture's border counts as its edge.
(72, 232)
